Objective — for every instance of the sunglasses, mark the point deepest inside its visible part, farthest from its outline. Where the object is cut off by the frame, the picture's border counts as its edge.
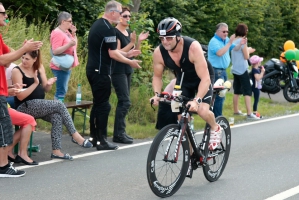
(167, 38)
(126, 16)
(225, 31)
(4, 13)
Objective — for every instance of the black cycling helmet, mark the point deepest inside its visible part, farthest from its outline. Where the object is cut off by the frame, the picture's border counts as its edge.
(169, 26)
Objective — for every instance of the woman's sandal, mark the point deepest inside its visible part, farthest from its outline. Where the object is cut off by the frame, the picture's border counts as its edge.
(65, 156)
(86, 143)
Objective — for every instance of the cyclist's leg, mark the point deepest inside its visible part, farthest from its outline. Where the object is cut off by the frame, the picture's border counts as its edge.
(204, 109)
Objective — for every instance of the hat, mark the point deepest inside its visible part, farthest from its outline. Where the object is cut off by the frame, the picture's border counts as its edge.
(255, 59)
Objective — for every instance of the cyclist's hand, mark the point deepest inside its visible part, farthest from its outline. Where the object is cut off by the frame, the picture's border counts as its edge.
(193, 106)
(155, 100)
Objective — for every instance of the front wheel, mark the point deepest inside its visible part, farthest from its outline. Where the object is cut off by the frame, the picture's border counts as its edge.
(165, 174)
(290, 93)
(218, 158)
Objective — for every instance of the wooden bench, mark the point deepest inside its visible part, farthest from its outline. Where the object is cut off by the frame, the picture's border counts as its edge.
(81, 108)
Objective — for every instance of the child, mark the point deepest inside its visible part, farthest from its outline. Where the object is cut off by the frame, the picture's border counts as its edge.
(257, 74)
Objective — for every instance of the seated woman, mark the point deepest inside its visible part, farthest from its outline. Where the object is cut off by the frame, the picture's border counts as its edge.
(27, 124)
(31, 101)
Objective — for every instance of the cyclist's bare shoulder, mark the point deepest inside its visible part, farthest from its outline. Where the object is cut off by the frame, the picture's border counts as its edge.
(196, 54)
(195, 48)
(157, 57)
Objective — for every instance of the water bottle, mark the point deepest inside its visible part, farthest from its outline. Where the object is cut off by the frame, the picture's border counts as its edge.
(78, 95)
(175, 106)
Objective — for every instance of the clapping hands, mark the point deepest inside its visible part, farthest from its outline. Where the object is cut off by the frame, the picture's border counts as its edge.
(51, 81)
(143, 36)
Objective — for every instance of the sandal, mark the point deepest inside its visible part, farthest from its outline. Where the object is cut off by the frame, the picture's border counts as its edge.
(86, 143)
(65, 156)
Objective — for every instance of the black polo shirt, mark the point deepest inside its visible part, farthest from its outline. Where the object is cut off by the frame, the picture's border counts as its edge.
(102, 36)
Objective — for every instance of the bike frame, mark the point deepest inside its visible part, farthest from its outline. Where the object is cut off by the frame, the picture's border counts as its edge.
(185, 128)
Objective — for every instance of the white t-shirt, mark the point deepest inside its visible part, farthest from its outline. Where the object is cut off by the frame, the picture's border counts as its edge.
(8, 73)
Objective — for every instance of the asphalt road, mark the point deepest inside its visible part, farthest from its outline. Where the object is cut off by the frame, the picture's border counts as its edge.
(263, 163)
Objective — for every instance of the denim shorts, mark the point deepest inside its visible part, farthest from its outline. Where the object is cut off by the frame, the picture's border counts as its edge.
(6, 129)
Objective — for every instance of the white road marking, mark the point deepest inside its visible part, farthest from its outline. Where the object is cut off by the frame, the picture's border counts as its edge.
(281, 196)
(286, 194)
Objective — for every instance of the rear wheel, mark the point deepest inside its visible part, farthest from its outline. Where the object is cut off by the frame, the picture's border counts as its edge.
(165, 175)
(291, 94)
(218, 158)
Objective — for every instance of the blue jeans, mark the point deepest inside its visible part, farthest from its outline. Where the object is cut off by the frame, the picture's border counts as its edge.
(219, 101)
(63, 78)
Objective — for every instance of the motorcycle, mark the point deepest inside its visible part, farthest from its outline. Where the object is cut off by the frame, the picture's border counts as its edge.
(280, 75)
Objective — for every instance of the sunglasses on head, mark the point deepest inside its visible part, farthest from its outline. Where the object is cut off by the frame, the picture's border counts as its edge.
(167, 38)
(126, 16)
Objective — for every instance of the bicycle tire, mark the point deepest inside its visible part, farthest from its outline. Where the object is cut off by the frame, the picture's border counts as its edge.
(218, 158)
(166, 177)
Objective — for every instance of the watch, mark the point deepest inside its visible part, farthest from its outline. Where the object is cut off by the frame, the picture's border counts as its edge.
(198, 100)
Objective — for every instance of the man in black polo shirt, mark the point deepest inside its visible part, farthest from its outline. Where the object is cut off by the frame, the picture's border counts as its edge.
(102, 51)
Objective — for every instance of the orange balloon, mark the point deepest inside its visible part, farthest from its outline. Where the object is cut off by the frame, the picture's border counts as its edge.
(297, 63)
(282, 58)
(289, 45)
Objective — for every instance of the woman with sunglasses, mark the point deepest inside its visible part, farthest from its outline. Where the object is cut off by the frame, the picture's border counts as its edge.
(63, 41)
(32, 101)
(122, 73)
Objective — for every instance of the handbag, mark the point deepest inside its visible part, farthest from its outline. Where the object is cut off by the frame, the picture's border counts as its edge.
(63, 61)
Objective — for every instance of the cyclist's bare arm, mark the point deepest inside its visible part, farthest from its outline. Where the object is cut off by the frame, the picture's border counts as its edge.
(196, 57)
(158, 65)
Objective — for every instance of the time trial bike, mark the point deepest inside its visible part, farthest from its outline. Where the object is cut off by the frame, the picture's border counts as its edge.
(175, 153)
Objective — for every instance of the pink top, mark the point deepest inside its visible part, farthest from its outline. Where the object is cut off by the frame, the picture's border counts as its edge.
(58, 39)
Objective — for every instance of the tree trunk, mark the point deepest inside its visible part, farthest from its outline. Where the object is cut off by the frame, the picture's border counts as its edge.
(136, 4)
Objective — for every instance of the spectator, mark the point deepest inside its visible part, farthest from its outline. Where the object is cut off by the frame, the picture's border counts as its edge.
(10, 99)
(63, 42)
(26, 123)
(31, 101)
(121, 77)
(240, 56)
(6, 136)
(218, 55)
(257, 74)
(102, 51)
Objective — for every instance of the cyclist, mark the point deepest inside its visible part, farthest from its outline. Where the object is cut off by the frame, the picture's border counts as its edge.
(184, 54)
